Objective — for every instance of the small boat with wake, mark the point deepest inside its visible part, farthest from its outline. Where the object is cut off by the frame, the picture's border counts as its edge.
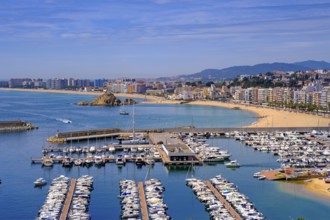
(65, 121)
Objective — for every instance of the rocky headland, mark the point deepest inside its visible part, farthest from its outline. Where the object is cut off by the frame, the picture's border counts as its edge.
(107, 99)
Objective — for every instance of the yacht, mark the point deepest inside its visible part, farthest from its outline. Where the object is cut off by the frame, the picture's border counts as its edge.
(233, 164)
(40, 182)
(213, 158)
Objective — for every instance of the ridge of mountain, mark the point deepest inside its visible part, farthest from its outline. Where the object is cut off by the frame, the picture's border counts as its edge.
(234, 71)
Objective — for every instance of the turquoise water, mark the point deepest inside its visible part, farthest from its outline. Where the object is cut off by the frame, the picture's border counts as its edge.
(20, 200)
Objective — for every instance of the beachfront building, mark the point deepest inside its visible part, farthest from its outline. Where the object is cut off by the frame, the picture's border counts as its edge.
(262, 95)
(57, 83)
(18, 82)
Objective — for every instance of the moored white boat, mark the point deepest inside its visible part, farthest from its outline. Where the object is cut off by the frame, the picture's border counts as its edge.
(232, 164)
(40, 182)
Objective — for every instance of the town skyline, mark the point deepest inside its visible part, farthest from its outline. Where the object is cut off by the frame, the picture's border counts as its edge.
(156, 38)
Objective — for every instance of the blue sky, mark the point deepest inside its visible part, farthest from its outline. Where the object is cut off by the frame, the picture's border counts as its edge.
(151, 38)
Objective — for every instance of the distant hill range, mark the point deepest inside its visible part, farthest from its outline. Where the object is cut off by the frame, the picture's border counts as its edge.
(232, 72)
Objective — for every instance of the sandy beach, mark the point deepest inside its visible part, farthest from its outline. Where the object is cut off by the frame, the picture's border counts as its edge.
(146, 98)
(266, 117)
(274, 118)
(319, 187)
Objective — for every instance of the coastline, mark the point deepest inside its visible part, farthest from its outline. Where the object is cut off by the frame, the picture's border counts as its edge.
(316, 189)
(266, 117)
(319, 187)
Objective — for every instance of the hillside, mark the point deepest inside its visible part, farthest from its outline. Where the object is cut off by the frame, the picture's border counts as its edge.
(234, 71)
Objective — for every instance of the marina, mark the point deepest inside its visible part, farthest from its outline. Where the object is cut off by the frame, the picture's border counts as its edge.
(154, 200)
(211, 200)
(231, 210)
(56, 200)
(62, 137)
(237, 203)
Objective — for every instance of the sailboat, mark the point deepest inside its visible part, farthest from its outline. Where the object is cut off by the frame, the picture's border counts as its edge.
(135, 140)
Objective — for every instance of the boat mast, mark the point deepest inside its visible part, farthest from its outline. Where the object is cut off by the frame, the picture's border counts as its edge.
(133, 123)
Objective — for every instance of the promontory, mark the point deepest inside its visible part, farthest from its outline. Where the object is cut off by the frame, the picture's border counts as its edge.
(107, 99)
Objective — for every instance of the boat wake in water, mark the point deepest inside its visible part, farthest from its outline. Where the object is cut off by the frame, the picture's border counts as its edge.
(66, 121)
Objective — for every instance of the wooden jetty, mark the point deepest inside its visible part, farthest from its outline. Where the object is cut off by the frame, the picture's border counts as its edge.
(272, 174)
(231, 210)
(68, 200)
(143, 204)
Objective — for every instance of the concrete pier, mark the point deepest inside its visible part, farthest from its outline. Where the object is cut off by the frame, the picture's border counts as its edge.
(68, 200)
(143, 204)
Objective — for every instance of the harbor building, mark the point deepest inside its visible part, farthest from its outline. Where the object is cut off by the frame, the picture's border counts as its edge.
(179, 153)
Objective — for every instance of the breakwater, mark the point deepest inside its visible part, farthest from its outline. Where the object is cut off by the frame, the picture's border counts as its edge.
(6, 126)
(116, 132)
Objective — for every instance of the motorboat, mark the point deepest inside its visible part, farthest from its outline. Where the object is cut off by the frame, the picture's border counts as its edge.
(120, 161)
(112, 149)
(65, 121)
(150, 161)
(98, 160)
(67, 162)
(261, 177)
(232, 164)
(40, 182)
(47, 163)
(78, 162)
(123, 113)
(139, 161)
(213, 158)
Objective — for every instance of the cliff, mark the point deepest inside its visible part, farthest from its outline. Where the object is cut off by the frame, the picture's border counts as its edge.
(107, 99)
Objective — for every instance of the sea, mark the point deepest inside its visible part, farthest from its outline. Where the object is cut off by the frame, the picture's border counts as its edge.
(19, 199)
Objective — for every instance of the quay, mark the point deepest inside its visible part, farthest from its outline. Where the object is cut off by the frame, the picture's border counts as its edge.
(231, 210)
(6, 126)
(68, 200)
(63, 137)
(143, 204)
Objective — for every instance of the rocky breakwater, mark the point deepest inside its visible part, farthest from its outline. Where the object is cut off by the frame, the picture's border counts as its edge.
(107, 99)
(6, 126)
